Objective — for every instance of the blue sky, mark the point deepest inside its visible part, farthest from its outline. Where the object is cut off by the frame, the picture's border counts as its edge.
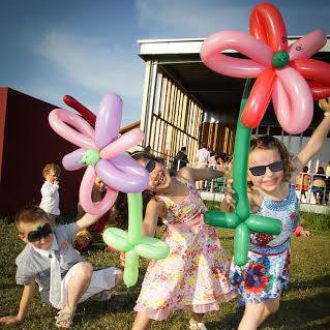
(87, 48)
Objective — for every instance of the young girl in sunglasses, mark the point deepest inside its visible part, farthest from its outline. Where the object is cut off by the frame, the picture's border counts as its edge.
(261, 281)
(195, 275)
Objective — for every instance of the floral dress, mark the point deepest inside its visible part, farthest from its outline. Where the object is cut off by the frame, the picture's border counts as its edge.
(196, 272)
(266, 273)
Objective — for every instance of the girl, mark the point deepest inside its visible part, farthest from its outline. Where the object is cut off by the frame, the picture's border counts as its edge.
(195, 274)
(262, 279)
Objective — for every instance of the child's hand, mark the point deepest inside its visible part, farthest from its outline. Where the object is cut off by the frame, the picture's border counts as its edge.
(122, 259)
(324, 104)
(10, 319)
(306, 233)
(230, 193)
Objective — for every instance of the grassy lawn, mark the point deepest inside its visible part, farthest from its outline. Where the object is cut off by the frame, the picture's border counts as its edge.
(304, 306)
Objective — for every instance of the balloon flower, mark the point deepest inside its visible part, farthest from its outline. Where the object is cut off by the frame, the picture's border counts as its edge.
(284, 73)
(281, 72)
(102, 151)
(133, 243)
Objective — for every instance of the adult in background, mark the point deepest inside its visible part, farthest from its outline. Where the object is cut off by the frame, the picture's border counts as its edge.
(202, 158)
(181, 159)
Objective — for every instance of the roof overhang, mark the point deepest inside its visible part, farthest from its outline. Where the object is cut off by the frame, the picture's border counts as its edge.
(180, 60)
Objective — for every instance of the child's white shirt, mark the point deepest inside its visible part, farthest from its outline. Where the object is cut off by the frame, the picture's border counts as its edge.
(50, 198)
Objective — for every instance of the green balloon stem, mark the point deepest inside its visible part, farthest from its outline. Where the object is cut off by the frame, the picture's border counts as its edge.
(135, 216)
(241, 154)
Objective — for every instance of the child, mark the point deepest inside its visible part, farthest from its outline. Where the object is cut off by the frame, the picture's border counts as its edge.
(195, 274)
(50, 199)
(48, 259)
(261, 280)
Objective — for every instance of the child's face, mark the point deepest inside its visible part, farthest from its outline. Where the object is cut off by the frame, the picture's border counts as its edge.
(43, 243)
(51, 176)
(271, 177)
(159, 178)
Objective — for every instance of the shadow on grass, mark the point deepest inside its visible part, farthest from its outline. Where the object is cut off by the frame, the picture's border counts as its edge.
(308, 313)
(318, 282)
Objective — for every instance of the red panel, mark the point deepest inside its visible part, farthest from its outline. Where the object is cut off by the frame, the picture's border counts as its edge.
(28, 144)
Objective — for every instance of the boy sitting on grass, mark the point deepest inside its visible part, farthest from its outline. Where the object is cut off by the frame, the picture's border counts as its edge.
(48, 259)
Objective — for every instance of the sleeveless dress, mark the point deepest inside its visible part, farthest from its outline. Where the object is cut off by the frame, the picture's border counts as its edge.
(196, 272)
(266, 273)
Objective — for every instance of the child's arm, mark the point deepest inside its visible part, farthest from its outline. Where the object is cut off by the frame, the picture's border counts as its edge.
(23, 306)
(197, 174)
(87, 220)
(153, 211)
(315, 142)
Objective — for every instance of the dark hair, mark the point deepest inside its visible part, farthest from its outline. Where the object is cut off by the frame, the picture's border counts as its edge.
(320, 170)
(183, 148)
(268, 142)
(305, 169)
(223, 156)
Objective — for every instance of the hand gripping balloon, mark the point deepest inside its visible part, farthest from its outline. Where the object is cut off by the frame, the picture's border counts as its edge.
(133, 243)
(102, 151)
(285, 74)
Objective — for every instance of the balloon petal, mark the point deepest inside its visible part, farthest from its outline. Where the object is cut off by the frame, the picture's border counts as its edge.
(308, 45)
(241, 244)
(119, 180)
(123, 143)
(80, 136)
(267, 24)
(108, 120)
(152, 248)
(300, 114)
(222, 219)
(71, 161)
(313, 70)
(117, 238)
(129, 165)
(85, 195)
(131, 273)
(211, 56)
(85, 112)
(259, 99)
(318, 90)
(265, 225)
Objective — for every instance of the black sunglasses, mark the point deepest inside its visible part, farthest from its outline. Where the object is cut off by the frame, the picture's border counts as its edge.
(150, 166)
(42, 232)
(261, 170)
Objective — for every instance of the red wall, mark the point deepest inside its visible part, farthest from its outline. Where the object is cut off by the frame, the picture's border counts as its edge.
(27, 143)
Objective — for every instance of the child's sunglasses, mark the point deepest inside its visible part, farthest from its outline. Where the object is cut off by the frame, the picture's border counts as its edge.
(150, 166)
(42, 232)
(261, 170)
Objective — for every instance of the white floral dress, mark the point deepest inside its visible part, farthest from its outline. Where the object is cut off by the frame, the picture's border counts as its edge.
(196, 272)
(266, 273)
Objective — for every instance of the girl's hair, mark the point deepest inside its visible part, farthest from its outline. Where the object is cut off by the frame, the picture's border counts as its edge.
(320, 170)
(52, 166)
(268, 142)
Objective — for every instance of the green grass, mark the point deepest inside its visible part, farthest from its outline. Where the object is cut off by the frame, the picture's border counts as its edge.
(304, 306)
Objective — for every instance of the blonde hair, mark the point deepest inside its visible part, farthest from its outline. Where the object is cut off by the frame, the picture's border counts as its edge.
(51, 166)
(29, 214)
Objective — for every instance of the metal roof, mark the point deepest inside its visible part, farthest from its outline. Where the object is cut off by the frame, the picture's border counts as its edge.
(180, 60)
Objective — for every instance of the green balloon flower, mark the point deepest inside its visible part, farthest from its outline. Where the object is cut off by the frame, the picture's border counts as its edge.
(133, 243)
(242, 221)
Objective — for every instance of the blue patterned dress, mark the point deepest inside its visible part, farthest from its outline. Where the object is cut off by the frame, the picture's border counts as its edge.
(266, 273)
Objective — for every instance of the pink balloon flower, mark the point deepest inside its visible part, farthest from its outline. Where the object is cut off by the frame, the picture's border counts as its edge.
(283, 73)
(102, 151)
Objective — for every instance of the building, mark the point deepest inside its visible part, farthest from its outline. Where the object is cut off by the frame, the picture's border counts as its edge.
(186, 104)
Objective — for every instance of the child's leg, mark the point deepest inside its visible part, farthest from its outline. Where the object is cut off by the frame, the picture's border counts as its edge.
(141, 322)
(255, 314)
(196, 321)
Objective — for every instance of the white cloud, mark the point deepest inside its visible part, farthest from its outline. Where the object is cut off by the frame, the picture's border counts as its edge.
(92, 65)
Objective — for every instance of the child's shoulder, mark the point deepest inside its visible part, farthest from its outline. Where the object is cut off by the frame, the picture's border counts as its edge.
(25, 256)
